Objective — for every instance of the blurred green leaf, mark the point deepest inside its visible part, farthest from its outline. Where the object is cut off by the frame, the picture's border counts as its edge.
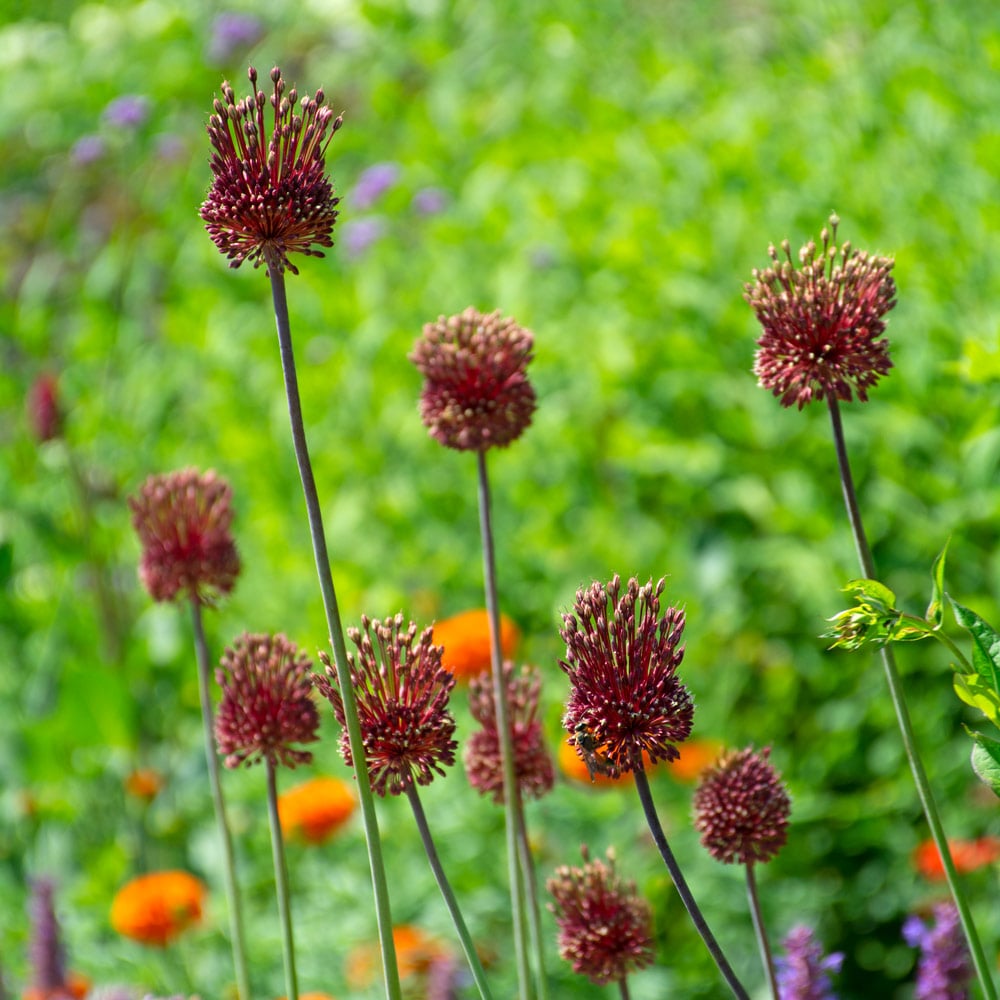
(985, 653)
(935, 610)
(986, 760)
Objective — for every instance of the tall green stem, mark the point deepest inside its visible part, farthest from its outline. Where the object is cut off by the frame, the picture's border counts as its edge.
(534, 909)
(761, 931)
(903, 716)
(444, 885)
(221, 820)
(512, 813)
(281, 885)
(701, 925)
(336, 631)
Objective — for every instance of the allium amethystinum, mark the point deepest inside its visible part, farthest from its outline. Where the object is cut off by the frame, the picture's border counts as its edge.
(823, 320)
(626, 703)
(270, 196)
(402, 693)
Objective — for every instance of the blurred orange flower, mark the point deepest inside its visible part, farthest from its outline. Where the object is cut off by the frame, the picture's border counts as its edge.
(76, 987)
(144, 783)
(695, 756)
(466, 641)
(315, 809)
(154, 909)
(968, 855)
(415, 951)
(573, 766)
(312, 996)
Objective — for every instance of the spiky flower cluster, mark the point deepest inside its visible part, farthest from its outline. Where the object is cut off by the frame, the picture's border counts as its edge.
(476, 393)
(270, 196)
(622, 655)
(605, 928)
(944, 971)
(402, 693)
(823, 321)
(741, 808)
(532, 762)
(183, 521)
(265, 705)
(803, 971)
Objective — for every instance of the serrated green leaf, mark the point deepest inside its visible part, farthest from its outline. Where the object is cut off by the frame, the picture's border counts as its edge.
(974, 691)
(985, 645)
(935, 610)
(986, 760)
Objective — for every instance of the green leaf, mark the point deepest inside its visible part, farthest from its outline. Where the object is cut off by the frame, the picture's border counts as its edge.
(985, 646)
(872, 592)
(935, 610)
(986, 760)
(974, 691)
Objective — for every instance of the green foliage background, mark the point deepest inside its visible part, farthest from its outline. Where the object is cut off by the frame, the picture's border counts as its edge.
(613, 172)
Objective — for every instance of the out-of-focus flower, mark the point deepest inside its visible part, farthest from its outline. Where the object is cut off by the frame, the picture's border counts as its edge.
(402, 692)
(183, 521)
(232, 32)
(476, 391)
(313, 996)
(694, 757)
(154, 909)
(415, 951)
(373, 183)
(445, 978)
(803, 972)
(577, 768)
(430, 201)
(144, 783)
(823, 321)
(741, 808)
(944, 971)
(532, 761)
(968, 855)
(360, 234)
(44, 414)
(128, 111)
(88, 149)
(270, 195)
(266, 704)
(626, 703)
(605, 928)
(46, 954)
(315, 810)
(465, 639)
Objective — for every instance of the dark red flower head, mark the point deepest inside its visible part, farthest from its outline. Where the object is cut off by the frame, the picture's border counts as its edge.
(270, 196)
(823, 321)
(476, 394)
(44, 413)
(532, 761)
(605, 929)
(266, 704)
(741, 808)
(183, 521)
(402, 692)
(626, 700)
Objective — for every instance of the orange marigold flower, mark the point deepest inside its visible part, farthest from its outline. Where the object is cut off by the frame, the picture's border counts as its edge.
(695, 756)
(416, 951)
(144, 783)
(575, 767)
(315, 809)
(968, 855)
(466, 641)
(154, 909)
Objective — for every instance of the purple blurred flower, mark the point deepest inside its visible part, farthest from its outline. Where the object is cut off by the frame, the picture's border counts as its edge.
(127, 111)
(233, 32)
(45, 952)
(373, 183)
(430, 201)
(87, 149)
(944, 970)
(803, 972)
(360, 235)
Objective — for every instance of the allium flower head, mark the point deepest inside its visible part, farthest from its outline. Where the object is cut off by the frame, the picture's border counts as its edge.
(402, 693)
(823, 321)
(626, 705)
(741, 808)
(44, 413)
(183, 522)
(315, 810)
(265, 705)
(944, 971)
(154, 909)
(271, 195)
(803, 972)
(476, 393)
(532, 761)
(605, 929)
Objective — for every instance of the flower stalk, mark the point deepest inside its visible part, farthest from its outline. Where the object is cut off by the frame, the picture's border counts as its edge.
(281, 884)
